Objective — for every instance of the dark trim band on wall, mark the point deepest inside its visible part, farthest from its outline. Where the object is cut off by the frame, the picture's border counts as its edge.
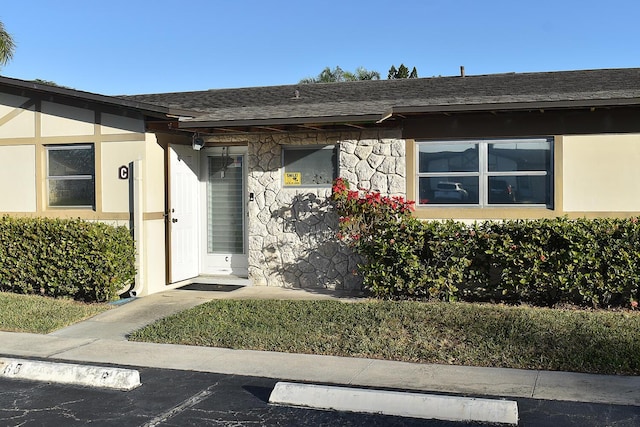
(523, 123)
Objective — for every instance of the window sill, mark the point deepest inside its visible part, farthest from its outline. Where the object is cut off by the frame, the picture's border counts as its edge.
(477, 212)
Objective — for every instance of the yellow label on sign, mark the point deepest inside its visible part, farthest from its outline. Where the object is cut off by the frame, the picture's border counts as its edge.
(292, 178)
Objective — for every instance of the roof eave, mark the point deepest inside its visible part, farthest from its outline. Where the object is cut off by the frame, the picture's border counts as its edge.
(509, 106)
(148, 109)
(196, 123)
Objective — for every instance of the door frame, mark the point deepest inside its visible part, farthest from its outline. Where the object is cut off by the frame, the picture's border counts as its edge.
(215, 264)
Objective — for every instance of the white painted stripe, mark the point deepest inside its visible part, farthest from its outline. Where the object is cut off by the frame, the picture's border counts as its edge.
(181, 407)
(415, 405)
(67, 373)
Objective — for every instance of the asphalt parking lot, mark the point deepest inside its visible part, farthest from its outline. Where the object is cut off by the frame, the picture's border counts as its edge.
(171, 398)
(187, 398)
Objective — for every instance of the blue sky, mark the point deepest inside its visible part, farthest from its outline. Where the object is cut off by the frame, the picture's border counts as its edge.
(142, 46)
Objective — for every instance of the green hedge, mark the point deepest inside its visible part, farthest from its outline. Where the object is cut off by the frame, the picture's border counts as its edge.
(593, 262)
(588, 262)
(65, 258)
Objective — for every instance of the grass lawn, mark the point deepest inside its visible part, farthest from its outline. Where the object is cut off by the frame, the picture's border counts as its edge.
(445, 333)
(41, 315)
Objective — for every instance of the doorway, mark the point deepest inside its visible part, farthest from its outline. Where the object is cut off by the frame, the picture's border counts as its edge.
(207, 213)
(223, 207)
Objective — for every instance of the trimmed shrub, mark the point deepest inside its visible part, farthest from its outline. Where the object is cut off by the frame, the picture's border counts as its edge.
(541, 262)
(65, 258)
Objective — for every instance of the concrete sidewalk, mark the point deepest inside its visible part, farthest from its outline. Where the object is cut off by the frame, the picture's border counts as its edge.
(102, 340)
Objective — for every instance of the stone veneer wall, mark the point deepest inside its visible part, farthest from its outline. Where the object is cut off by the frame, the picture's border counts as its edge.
(292, 230)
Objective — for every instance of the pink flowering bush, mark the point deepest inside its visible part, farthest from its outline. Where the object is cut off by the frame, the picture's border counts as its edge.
(382, 230)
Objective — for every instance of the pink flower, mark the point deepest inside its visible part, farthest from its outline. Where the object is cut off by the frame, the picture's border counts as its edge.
(634, 304)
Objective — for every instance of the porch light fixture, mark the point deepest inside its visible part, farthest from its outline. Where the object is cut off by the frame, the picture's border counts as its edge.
(197, 142)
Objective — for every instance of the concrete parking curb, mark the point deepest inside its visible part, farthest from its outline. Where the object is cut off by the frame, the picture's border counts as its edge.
(415, 405)
(67, 373)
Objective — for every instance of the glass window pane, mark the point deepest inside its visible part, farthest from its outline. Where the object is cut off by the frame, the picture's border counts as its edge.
(519, 190)
(448, 190)
(309, 166)
(225, 205)
(71, 161)
(71, 192)
(435, 158)
(520, 156)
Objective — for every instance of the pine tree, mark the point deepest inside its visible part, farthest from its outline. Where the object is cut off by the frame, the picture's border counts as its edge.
(392, 72)
(402, 72)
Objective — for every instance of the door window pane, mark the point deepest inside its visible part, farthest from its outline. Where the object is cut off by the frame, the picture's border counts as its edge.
(225, 206)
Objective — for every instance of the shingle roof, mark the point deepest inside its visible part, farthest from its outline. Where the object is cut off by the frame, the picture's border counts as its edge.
(61, 92)
(370, 100)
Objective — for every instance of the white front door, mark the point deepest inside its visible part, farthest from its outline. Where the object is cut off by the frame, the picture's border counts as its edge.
(183, 212)
(224, 206)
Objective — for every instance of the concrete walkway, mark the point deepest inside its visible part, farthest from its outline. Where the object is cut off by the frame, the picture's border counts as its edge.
(102, 340)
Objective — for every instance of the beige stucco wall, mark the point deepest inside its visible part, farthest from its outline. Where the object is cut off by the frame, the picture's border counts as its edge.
(64, 120)
(110, 124)
(115, 196)
(154, 175)
(115, 191)
(153, 257)
(601, 173)
(18, 175)
(17, 122)
(10, 102)
(154, 253)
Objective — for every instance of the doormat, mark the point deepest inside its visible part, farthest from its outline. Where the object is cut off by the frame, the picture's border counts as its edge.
(210, 287)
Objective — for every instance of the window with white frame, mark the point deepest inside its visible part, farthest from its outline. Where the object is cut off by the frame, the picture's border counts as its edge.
(70, 176)
(309, 165)
(485, 172)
